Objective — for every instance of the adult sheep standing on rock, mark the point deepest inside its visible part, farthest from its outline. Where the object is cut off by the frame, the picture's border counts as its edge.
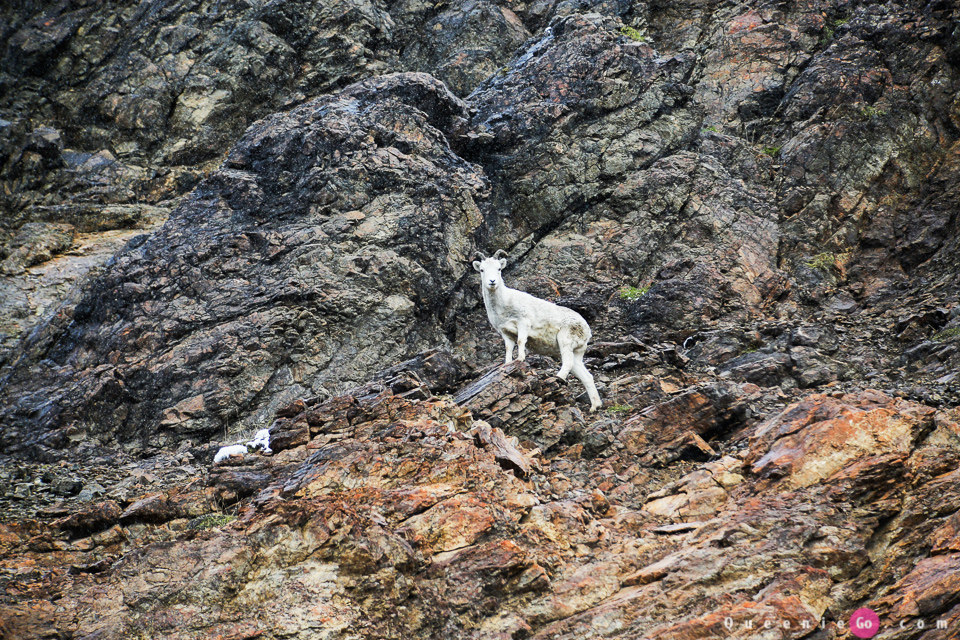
(525, 320)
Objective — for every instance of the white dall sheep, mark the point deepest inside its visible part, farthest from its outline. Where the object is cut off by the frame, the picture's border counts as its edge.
(260, 442)
(525, 320)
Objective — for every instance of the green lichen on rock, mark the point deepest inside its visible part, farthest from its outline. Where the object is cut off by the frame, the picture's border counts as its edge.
(210, 521)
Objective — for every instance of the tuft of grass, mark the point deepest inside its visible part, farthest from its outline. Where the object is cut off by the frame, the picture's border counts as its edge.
(618, 408)
(773, 152)
(712, 128)
(633, 293)
(210, 521)
(633, 34)
(946, 334)
(870, 112)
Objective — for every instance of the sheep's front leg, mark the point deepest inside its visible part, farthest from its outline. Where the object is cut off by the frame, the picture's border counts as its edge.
(522, 332)
(509, 342)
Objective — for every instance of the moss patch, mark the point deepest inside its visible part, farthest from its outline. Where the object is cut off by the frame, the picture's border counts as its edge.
(618, 408)
(946, 334)
(633, 34)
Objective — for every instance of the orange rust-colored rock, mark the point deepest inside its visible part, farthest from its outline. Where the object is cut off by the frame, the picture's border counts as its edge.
(812, 440)
(452, 524)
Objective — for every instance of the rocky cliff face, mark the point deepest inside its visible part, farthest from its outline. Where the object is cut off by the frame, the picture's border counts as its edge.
(219, 217)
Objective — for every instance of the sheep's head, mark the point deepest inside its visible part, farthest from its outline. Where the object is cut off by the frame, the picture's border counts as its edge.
(490, 268)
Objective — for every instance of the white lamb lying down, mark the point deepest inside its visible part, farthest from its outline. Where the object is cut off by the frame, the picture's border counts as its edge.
(260, 442)
(228, 451)
(527, 321)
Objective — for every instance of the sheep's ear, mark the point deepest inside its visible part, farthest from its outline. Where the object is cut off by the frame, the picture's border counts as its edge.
(503, 263)
(476, 265)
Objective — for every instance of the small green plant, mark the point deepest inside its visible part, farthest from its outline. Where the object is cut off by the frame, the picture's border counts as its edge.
(633, 34)
(870, 112)
(946, 334)
(633, 293)
(712, 128)
(828, 261)
(830, 29)
(618, 408)
(210, 521)
(773, 152)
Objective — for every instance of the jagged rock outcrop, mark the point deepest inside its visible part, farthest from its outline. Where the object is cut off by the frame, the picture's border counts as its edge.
(570, 157)
(251, 294)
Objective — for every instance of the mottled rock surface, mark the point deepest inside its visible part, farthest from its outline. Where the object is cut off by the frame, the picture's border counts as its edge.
(218, 217)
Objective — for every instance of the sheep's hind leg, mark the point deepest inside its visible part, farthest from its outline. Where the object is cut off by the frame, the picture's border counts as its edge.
(581, 373)
(509, 343)
(565, 343)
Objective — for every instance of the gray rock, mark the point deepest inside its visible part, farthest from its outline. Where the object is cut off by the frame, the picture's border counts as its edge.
(35, 242)
(90, 492)
(764, 369)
